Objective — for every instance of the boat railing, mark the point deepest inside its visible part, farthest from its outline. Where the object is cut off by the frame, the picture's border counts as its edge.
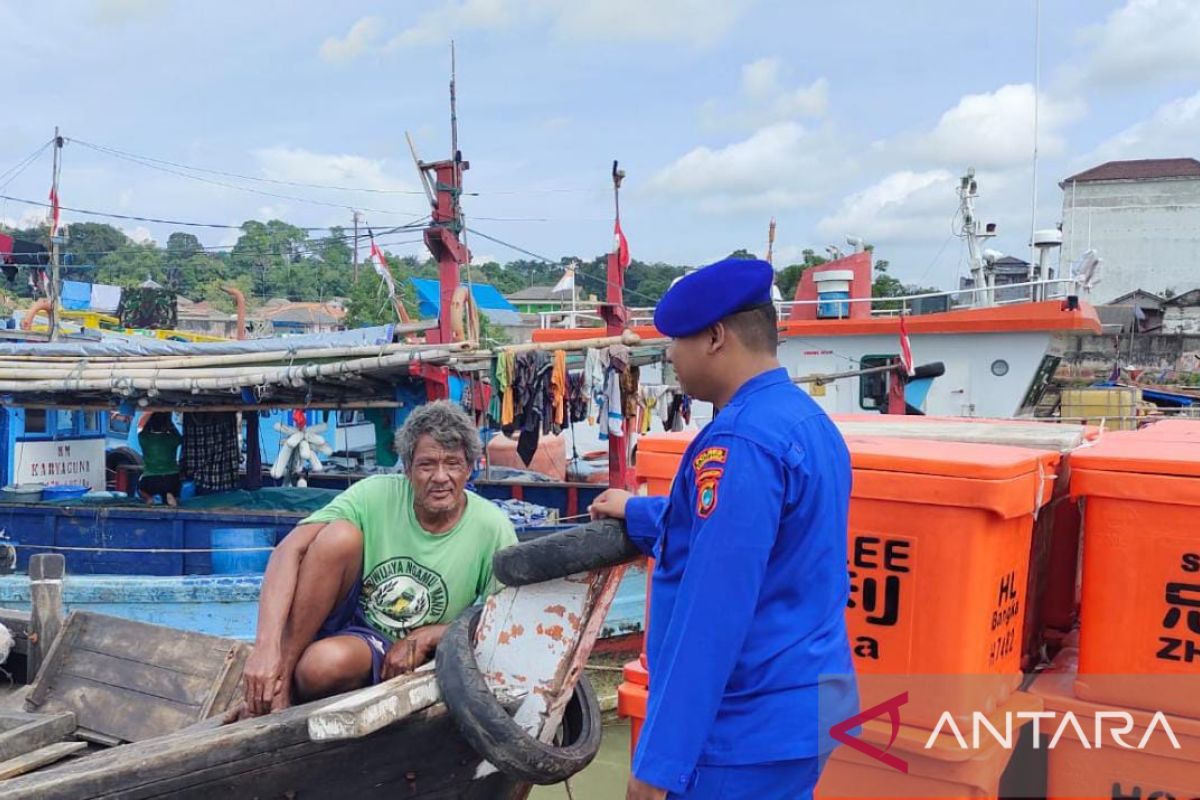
(923, 302)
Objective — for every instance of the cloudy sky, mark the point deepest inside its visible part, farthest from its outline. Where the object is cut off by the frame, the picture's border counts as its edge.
(835, 118)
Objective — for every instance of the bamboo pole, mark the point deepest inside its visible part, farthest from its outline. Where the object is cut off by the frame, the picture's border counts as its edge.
(628, 338)
(294, 375)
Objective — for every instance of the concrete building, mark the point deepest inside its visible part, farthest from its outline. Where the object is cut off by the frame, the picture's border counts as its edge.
(1143, 220)
(1181, 314)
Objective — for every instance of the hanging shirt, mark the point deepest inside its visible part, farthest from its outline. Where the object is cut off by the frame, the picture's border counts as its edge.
(749, 591)
(158, 452)
(411, 577)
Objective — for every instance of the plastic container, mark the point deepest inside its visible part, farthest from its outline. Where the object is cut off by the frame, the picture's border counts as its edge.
(940, 536)
(67, 492)
(1073, 770)
(632, 695)
(229, 556)
(550, 458)
(187, 490)
(833, 293)
(941, 768)
(1140, 607)
(22, 493)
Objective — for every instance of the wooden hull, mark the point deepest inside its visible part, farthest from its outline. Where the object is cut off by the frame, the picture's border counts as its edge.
(421, 756)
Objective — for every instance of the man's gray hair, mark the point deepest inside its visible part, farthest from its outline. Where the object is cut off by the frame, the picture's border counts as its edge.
(449, 426)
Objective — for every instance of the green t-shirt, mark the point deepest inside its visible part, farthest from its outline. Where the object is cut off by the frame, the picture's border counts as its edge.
(158, 452)
(412, 577)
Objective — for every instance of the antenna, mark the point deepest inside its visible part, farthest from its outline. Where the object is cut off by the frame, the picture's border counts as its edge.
(771, 242)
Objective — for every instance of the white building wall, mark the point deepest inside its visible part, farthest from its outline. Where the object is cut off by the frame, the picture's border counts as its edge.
(1147, 234)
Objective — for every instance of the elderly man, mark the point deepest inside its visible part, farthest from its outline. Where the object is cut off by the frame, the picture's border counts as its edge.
(747, 647)
(359, 591)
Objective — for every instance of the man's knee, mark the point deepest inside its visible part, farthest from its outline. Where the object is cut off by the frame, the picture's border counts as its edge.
(340, 542)
(333, 665)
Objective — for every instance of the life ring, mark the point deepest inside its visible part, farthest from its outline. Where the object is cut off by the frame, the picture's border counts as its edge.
(464, 316)
(489, 729)
(593, 545)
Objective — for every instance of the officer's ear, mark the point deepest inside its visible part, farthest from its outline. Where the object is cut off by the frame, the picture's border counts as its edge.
(717, 337)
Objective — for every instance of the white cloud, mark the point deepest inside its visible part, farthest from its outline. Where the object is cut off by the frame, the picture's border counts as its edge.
(361, 37)
(995, 129)
(765, 98)
(903, 206)
(1145, 40)
(694, 22)
(305, 166)
(141, 234)
(780, 166)
(29, 218)
(1171, 132)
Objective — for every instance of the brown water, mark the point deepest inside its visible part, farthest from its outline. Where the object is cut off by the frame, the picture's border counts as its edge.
(605, 777)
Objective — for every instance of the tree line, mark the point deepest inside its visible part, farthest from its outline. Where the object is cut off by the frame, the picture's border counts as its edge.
(275, 259)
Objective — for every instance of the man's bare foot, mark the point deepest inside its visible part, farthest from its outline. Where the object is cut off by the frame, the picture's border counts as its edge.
(171, 501)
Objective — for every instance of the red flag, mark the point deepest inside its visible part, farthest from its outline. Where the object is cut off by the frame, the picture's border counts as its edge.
(906, 358)
(620, 246)
(53, 211)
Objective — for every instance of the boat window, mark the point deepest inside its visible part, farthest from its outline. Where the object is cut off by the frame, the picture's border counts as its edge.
(66, 421)
(118, 423)
(350, 417)
(873, 389)
(35, 420)
(89, 422)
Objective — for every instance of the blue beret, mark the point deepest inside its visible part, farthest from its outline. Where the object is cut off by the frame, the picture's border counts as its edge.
(712, 293)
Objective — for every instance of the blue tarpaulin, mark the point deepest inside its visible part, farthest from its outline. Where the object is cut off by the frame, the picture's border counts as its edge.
(487, 299)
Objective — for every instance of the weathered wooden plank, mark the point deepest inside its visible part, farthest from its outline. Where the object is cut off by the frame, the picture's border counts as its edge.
(58, 651)
(366, 711)
(159, 645)
(147, 678)
(118, 711)
(46, 619)
(44, 729)
(268, 757)
(39, 758)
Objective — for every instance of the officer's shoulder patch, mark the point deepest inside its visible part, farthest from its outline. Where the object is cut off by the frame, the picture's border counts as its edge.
(710, 456)
(707, 483)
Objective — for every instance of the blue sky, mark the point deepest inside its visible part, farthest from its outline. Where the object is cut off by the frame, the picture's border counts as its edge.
(847, 118)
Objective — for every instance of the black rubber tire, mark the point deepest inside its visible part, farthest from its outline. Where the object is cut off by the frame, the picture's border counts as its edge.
(489, 729)
(597, 544)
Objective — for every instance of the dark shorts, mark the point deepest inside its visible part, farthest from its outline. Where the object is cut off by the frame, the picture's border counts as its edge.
(160, 484)
(345, 620)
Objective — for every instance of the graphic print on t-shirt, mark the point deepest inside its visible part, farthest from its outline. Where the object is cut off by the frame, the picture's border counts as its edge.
(400, 595)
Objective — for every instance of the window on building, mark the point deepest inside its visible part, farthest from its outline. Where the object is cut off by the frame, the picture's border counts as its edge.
(873, 388)
(89, 422)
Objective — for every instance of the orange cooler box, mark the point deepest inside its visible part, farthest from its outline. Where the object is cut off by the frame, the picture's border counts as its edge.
(1139, 638)
(939, 549)
(1076, 770)
(943, 768)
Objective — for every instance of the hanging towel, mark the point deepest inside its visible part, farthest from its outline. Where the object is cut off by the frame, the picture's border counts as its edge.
(105, 298)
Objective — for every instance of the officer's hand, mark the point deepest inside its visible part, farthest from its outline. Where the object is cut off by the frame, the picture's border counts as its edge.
(610, 504)
(640, 790)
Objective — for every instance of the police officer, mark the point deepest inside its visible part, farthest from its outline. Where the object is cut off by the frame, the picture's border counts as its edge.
(747, 631)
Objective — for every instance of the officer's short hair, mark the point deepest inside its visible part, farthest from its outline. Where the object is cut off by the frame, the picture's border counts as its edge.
(757, 328)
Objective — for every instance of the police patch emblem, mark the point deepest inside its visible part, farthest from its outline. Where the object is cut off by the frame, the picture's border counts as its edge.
(710, 455)
(706, 491)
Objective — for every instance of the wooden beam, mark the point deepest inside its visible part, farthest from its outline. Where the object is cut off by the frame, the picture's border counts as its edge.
(38, 758)
(368, 710)
(45, 577)
(40, 731)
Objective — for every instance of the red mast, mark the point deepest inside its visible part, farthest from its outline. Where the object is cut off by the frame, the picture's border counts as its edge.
(615, 317)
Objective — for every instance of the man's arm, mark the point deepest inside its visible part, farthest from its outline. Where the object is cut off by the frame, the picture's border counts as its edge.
(266, 668)
(644, 516)
(737, 510)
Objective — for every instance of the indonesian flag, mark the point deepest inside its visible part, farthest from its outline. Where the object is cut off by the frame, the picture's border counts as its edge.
(379, 262)
(620, 246)
(54, 211)
(906, 357)
(567, 281)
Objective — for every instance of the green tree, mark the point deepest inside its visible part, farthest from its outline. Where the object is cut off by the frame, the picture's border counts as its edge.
(742, 252)
(788, 278)
(90, 242)
(131, 264)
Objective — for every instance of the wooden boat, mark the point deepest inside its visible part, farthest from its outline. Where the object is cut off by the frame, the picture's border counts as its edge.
(137, 710)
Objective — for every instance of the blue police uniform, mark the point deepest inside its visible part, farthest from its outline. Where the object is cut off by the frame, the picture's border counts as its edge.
(747, 632)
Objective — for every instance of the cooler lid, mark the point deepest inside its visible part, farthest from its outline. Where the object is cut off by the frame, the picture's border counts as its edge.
(1142, 452)
(991, 462)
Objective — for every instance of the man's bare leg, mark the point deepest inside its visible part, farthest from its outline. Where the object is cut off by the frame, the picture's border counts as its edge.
(331, 666)
(328, 571)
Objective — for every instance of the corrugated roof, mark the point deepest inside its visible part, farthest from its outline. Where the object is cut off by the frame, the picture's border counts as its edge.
(487, 298)
(540, 293)
(1142, 169)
